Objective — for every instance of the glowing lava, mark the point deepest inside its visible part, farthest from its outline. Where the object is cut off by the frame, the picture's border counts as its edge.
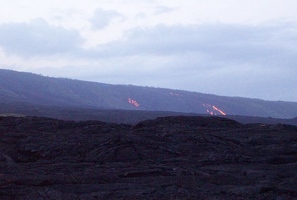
(133, 102)
(213, 110)
(220, 111)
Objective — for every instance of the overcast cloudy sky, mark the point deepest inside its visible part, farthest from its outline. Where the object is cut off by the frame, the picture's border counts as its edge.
(242, 48)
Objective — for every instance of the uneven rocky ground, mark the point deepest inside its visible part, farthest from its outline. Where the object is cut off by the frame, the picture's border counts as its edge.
(166, 158)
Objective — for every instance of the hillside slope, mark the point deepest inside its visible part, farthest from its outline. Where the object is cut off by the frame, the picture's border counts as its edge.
(28, 88)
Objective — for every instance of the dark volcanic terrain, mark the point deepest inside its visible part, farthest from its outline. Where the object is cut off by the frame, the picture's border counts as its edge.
(166, 158)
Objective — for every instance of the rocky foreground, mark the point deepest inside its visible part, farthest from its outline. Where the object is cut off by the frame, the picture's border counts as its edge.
(166, 158)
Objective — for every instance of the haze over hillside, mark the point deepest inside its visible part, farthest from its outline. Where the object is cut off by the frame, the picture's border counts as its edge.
(31, 89)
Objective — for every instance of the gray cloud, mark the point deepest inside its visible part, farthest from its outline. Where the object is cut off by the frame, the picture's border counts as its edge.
(38, 38)
(263, 45)
(102, 18)
(204, 45)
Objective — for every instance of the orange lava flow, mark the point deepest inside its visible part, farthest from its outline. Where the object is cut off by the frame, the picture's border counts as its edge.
(215, 108)
(133, 102)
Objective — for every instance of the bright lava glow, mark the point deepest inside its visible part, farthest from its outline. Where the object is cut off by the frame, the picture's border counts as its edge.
(133, 102)
(213, 110)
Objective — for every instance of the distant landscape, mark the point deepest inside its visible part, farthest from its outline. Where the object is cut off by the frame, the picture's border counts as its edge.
(71, 139)
(35, 95)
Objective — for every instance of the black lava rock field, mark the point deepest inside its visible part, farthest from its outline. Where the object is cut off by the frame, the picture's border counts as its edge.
(166, 158)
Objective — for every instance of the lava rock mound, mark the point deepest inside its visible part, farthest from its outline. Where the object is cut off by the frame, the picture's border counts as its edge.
(191, 121)
(165, 158)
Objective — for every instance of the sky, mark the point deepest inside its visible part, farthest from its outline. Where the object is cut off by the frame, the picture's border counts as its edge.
(245, 48)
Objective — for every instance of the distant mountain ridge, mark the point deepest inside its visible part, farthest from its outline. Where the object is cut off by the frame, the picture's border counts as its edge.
(27, 88)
